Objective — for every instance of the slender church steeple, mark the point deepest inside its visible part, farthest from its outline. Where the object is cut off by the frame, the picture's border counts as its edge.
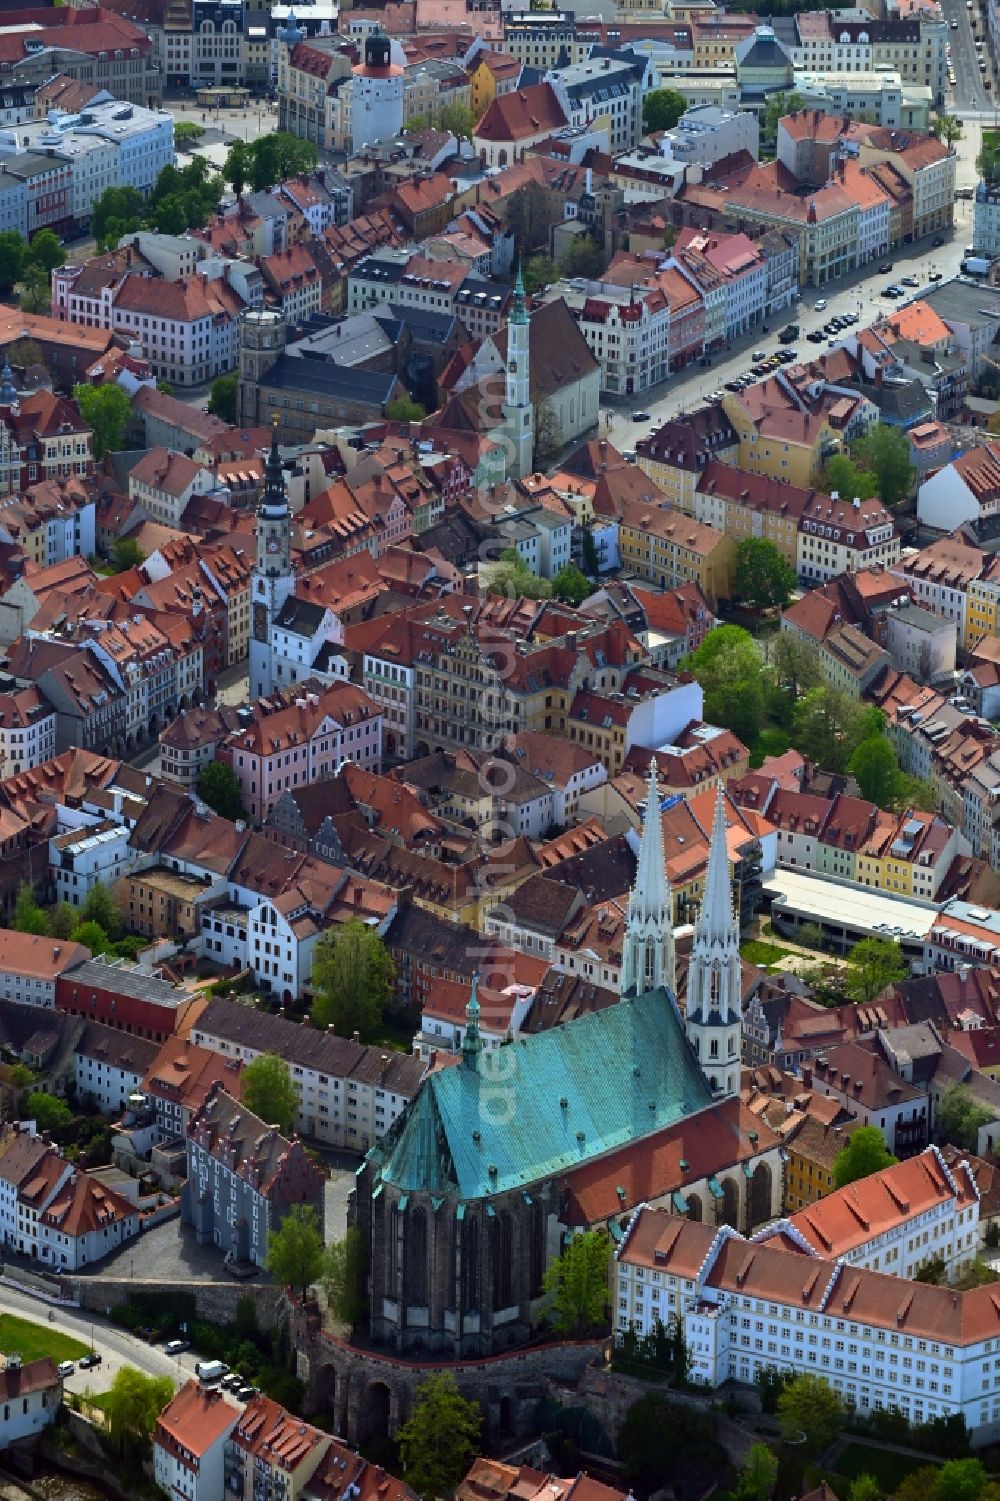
(714, 1013)
(472, 1042)
(517, 410)
(274, 576)
(648, 949)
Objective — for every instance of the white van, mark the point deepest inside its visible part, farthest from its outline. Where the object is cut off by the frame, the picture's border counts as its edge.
(208, 1371)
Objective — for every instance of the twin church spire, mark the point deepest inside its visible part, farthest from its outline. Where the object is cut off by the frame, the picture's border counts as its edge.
(713, 1018)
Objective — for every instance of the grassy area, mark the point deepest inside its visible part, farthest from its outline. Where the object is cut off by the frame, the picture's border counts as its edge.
(33, 1341)
(889, 1469)
(757, 952)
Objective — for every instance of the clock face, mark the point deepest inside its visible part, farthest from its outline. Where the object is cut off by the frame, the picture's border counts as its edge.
(272, 544)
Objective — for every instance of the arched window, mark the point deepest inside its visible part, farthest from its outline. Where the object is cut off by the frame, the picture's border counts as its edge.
(502, 1249)
(470, 1266)
(416, 1257)
(536, 1266)
(393, 1249)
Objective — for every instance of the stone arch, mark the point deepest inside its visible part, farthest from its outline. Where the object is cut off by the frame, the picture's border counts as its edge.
(729, 1208)
(376, 1413)
(505, 1416)
(694, 1208)
(759, 1200)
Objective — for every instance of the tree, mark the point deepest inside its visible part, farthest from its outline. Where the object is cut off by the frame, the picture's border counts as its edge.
(295, 1249)
(219, 788)
(960, 1117)
(591, 559)
(583, 257)
(416, 125)
(186, 132)
(268, 160)
(170, 215)
(459, 120)
(105, 409)
(884, 452)
(576, 1284)
(661, 109)
(132, 1406)
(61, 920)
(266, 1088)
(809, 1407)
(570, 585)
(539, 271)
(35, 289)
(12, 250)
(345, 1276)
(516, 581)
(827, 725)
(729, 667)
(125, 554)
(844, 478)
(405, 409)
(237, 166)
(865, 1488)
(92, 936)
(758, 1474)
(947, 128)
(960, 1480)
(440, 1438)
(865, 1153)
(352, 978)
(777, 106)
(763, 578)
(874, 963)
(118, 207)
(223, 401)
(548, 435)
(101, 907)
(914, 792)
(795, 663)
(47, 1111)
(46, 251)
(874, 765)
(29, 917)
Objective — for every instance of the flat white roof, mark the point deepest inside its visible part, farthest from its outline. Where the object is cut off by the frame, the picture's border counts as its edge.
(854, 907)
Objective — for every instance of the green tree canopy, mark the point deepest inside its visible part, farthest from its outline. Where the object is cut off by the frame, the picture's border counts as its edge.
(827, 726)
(947, 128)
(29, 917)
(105, 409)
(777, 106)
(865, 1153)
(795, 664)
(843, 477)
(874, 963)
(661, 109)
(570, 585)
(48, 1111)
(92, 936)
(224, 397)
(267, 1089)
(345, 1277)
(268, 160)
(35, 289)
(959, 1117)
(758, 1474)
(12, 253)
(186, 132)
(62, 919)
(46, 251)
(810, 1408)
(539, 271)
(219, 787)
(459, 120)
(440, 1438)
(132, 1406)
(729, 667)
(352, 979)
(763, 579)
(295, 1249)
(117, 207)
(865, 1488)
(960, 1480)
(100, 906)
(576, 1284)
(405, 409)
(884, 452)
(583, 257)
(125, 554)
(873, 763)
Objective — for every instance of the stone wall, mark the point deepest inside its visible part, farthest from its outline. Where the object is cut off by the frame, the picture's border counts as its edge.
(369, 1392)
(214, 1301)
(608, 1395)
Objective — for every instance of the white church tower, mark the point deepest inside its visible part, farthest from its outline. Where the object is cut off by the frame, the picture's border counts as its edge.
(517, 413)
(648, 947)
(273, 578)
(714, 1014)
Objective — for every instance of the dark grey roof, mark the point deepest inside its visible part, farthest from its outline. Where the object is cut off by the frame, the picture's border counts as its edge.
(900, 403)
(319, 376)
(430, 324)
(300, 616)
(124, 979)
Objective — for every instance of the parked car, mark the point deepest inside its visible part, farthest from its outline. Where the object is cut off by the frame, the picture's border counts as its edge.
(908, 281)
(820, 304)
(641, 417)
(87, 1362)
(885, 270)
(937, 241)
(177, 1346)
(815, 338)
(65, 1368)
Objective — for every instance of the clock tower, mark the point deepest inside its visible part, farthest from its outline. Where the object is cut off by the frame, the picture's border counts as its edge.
(273, 577)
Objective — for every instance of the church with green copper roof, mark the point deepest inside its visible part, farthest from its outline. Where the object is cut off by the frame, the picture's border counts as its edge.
(462, 1202)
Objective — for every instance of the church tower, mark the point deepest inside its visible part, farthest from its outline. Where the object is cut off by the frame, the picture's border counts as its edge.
(517, 413)
(273, 576)
(714, 1014)
(648, 948)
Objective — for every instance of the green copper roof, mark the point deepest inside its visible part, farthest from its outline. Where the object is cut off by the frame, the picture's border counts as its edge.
(548, 1103)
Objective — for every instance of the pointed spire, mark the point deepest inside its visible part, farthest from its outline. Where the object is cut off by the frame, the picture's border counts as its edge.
(275, 496)
(472, 1043)
(715, 920)
(518, 310)
(650, 874)
(648, 948)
